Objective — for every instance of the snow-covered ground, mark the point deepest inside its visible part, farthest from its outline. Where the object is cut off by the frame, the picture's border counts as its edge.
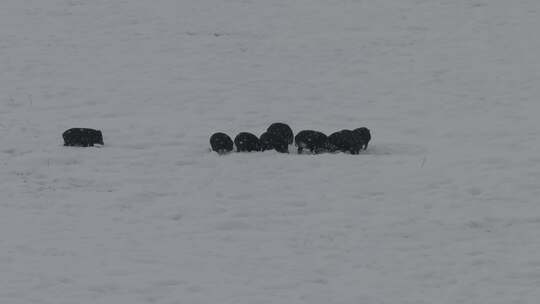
(443, 207)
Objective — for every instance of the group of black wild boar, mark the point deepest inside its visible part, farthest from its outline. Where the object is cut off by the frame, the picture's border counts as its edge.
(279, 136)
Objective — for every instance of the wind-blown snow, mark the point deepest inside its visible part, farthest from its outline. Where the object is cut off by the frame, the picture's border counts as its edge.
(443, 207)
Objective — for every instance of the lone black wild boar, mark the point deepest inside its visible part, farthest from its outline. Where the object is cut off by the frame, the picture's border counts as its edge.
(82, 137)
(246, 142)
(315, 141)
(221, 143)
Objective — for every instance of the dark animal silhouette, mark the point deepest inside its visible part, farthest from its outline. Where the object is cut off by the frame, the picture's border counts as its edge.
(314, 141)
(82, 137)
(269, 141)
(221, 143)
(265, 140)
(345, 141)
(282, 130)
(365, 136)
(247, 142)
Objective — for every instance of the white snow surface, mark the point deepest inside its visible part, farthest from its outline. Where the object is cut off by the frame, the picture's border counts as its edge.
(443, 207)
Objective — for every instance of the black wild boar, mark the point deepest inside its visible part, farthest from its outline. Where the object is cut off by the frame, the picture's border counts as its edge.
(82, 137)
(282, 130)
(314, 141)
(221, 143)
(247, 142)
(345, 141)
(269, 141)
(365, 136)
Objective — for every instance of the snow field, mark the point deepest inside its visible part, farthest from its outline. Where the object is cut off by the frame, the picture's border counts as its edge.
(441, 208)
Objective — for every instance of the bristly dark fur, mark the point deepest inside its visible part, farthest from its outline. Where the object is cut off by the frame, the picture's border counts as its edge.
(314, 141)
(221, 143)
(365, 136)
(281, 130)
(345, 141)
(269, 141)
(247, 142)
(82, 137)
